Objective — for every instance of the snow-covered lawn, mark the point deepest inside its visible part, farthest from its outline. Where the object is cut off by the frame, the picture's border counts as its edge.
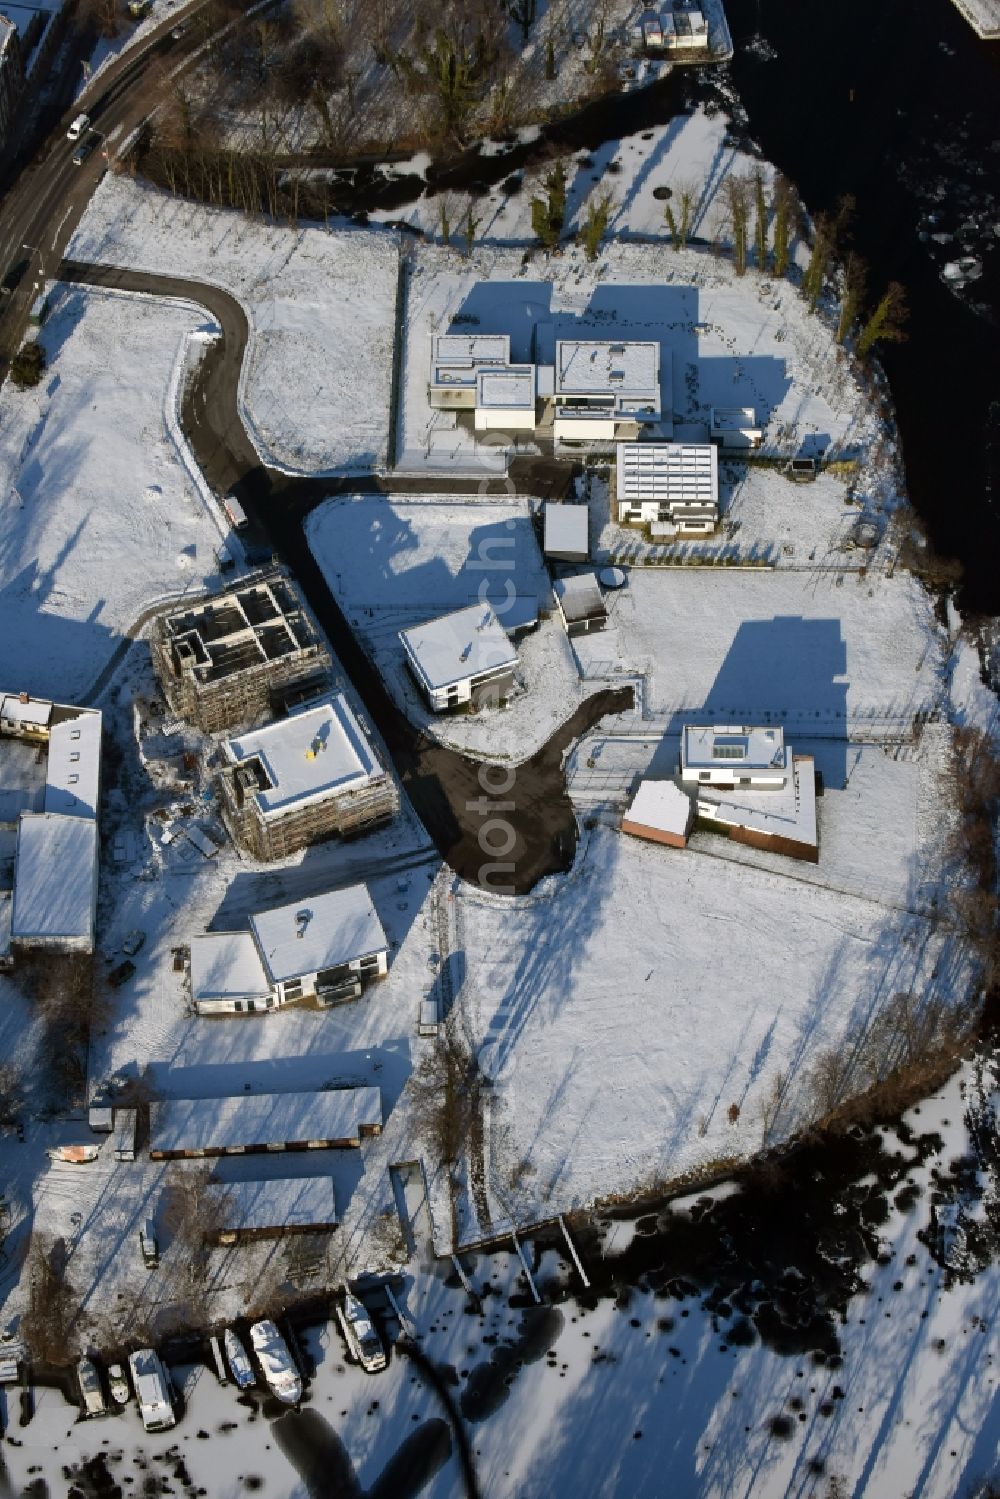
(320, 303)
(100, 517)
(393, 563)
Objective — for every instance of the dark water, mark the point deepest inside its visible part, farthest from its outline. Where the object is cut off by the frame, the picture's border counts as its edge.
(898, 102)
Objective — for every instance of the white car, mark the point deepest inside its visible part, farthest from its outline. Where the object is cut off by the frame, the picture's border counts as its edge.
(280, 1373)
(79, 125)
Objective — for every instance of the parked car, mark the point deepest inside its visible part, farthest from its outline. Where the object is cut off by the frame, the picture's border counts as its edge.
(277, 1365)
(90, 1388)
(84, 149)
(118, 1384)
(79, 125)
(152, 1390)
(361, 1334)
(133, 942)
(239, 1363)
(148, 1245)
(14, 277)
(121, 974)
(179, 31)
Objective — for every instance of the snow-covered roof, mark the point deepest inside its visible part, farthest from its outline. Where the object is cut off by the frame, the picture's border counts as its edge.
(673, 473)
(733, 418)
(742, 746)
(319, 750)
(22, 777)
(33, 714)
(630, 372)
(279, 1202)
(567, 530)
(662, 806)
(227, 966)
(458, 646)
(55, 877)
(320, 932)
(456, 357)
(503, 387)
(73, 775)
(216, 1124)
(6, 912)
(579, 597)
(787, 811)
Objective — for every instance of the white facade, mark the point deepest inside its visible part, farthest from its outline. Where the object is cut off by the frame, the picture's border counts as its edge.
(326, 947)
(458, 656)
(505, 398)
(456, 359)
(735, 755)
(735, 428)
(668, 483)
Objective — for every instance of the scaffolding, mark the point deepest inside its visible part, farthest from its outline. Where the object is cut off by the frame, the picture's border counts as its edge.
(231, 658)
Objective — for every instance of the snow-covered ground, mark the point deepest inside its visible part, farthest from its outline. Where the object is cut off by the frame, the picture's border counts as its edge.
(320, 304)
(394, 563)
(101, 516)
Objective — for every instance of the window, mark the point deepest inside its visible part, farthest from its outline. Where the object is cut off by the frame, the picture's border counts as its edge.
(74, 756)
(703, 775)
(732, 748)
(74, 733)
(293, 989)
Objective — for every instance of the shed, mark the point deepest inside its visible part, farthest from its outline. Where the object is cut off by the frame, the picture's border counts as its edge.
(123, 1136)
(335, 1118)
(248, 1210)
(580, 603)
(566, 532)
(101, 1118)
(660, 812)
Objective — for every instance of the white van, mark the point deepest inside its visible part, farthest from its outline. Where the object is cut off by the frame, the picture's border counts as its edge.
(152, 1390)
(235, 514)
(79, 125)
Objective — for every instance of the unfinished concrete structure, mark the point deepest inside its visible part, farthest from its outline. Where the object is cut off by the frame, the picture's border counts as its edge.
(305, 777)
(232, 657)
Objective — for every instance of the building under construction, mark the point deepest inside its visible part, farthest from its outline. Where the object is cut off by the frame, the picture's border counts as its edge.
(234, 657)
(305, 777)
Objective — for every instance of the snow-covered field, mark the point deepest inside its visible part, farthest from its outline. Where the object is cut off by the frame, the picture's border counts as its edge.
(394, 563)
(101, 516)
(320, 304)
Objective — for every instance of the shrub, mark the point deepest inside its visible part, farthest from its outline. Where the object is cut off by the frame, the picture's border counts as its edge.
(27, 365)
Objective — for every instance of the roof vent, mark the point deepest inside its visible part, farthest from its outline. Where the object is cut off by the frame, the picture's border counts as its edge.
(466, 653)
(302, 920)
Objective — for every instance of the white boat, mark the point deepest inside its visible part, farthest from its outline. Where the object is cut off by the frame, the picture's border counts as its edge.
(118, 1384)
(276, 1363)
(361, 1334)
(152, 1390)
(239, 1364)
(90, 1388)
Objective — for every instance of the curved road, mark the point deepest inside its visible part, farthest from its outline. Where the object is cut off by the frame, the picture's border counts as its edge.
(502, 829)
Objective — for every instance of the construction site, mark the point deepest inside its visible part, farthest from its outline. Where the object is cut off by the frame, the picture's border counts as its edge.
(235, 657)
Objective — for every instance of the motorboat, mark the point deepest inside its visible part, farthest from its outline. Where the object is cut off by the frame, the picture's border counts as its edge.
(361, 1334)
(239, 1363)
(276, 1363)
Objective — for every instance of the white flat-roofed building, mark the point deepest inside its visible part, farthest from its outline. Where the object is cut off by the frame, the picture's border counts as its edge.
(661, 812)
(580, 603)
(304, 777)
(735, 428)
(461, 658)
(325, 947)
(734, 755)
(505, 398)
(780, 818)
(456, 359)
(330, 1119)
(566, 536)
(247, 1210)
(73, 773)
(55, 883)
(668, 483)
(605, 391)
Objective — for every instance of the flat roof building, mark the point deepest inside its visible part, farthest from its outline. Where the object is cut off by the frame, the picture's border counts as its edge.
(335, 1118)
(673, 483)
(605, 391)
(231, 657)
(55, 882)
(735, 428)
(734, 755)
(505, 398)
(566, 533)
(304, 777)
(661, 812)
(580, 603)
(461, 658)
(780, 817)
(456, 359)
(247, 1210)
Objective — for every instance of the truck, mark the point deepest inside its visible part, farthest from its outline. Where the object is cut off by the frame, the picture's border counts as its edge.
(152, 1390)
(234, 513)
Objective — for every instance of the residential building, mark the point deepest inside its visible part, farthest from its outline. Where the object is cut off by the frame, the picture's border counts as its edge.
(735, 428)
(505, 398)
(668, 484)
(580, 603)
(254, 1123)
(734, 755)
(566, 532)
(461, 659)
(50, 783)
(327, 948)
(661, 813)
(456, 360)
(307, 776)
(604, 392)
(232, 657)
(752, 786)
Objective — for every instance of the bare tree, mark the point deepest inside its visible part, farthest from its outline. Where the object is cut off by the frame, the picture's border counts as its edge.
(678, 213)
(738, 199)
(47, 1325)
(760, 220)
(785, 208)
